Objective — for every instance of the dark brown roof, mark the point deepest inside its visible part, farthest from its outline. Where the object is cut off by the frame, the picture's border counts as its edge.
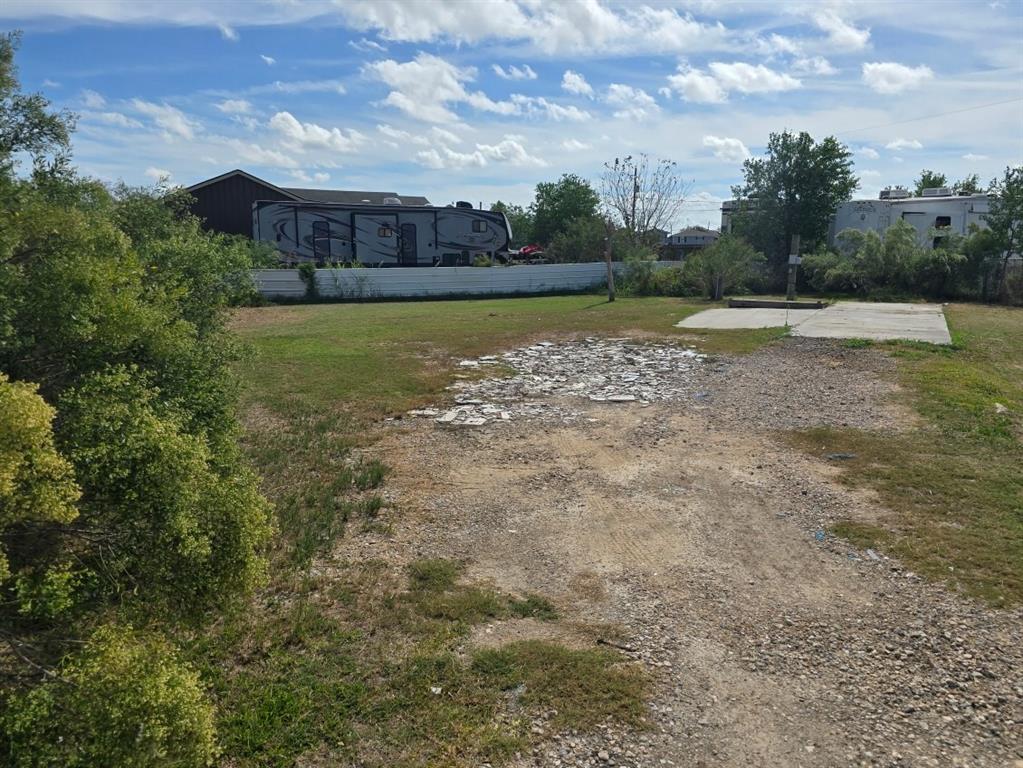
(316, 195)
(352, 196)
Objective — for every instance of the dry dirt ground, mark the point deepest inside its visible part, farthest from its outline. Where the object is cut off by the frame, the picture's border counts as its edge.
(689, 535)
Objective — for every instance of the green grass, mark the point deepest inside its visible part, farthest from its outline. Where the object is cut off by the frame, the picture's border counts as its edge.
(365, 668)
(955, 484)
(371, 360)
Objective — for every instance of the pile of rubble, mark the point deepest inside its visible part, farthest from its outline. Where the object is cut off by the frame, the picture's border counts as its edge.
(601, 370)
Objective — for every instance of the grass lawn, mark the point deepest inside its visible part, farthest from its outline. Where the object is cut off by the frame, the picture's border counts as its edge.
(344, 666)
(956, 483)
(368, 665)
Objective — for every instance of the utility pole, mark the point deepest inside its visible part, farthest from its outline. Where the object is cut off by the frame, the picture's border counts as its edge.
(794, 260)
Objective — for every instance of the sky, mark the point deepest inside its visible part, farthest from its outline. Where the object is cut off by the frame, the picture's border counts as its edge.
(480, 101)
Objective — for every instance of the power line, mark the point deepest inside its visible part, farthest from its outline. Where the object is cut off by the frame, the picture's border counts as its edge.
(928, 117)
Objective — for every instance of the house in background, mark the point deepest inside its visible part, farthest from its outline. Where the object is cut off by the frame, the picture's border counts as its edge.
(224, 203)
(685, 241)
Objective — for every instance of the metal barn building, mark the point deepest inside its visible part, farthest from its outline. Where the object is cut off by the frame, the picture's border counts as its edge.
(224, 203)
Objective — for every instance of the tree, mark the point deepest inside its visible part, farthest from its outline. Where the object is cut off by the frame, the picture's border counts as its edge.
(928, 180)
(559, 202)
(581, 240)
(640, 197)
(794, 190)
(968, 186)
(521, 221)
(726, 264)
(26, 123)
(1005, 220)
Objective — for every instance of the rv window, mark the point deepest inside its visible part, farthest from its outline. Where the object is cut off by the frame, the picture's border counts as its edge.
(478, 225)
(321, 241)
(385, 232)
(943, 221)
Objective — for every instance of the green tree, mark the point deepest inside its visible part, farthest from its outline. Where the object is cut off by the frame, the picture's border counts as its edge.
(968, 186)
(725, 265)
(560, 202)
(794, 190)
(581, 240)
(124, 700)
(928, 180)
(521, 221)
(1005, 220)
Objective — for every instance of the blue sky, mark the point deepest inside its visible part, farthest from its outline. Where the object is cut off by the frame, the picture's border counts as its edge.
(481, 100)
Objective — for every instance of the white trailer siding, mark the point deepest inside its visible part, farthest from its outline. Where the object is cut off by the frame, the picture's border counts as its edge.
(387, 236)
(953, 214)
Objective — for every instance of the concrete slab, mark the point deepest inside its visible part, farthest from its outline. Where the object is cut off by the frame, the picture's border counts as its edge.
(843, 320)
(871, 320)
(723, 318)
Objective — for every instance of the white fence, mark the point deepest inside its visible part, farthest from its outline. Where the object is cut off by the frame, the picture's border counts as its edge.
(412, 282)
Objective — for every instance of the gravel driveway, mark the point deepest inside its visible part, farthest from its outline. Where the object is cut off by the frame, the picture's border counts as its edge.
(683, 530)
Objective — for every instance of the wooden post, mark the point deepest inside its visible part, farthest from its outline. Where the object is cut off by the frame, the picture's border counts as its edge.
(607, 258)
(790, 294)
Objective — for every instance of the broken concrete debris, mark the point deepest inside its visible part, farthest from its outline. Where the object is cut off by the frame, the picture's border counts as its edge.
(549, 375)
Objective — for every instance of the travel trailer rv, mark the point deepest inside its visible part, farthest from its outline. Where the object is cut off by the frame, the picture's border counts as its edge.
(389, 235)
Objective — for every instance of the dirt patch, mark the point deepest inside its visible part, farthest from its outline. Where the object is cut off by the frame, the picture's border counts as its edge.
(694, 529)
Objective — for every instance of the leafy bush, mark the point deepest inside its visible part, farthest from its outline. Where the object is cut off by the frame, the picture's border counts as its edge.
(729, 264)
(125, 701)
(582, 239)
(307, 271)
(173, 525)
(36, 483)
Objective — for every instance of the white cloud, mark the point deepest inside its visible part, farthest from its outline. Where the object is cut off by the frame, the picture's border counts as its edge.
(841, 35)
(317, 178)
(870, 174)
(509, 151)
(116, 118)
(697, 86)
(750, 78)
(48, 83)
(539, 106)
(813, 65)
(425, 87)
(584, 27)
(234, 107)
(299, 86)
(974, 157)
(575, 83)
(443, 135)
(634, 103)
(93, 100)
(728, 149)
(900, 144)
(171, 120)
(366, 45)
(268, 60)
(515, 73)
(310, 136)
(228, 33)
(713, 88)
(889, 77)
(257, 155)
(158, 174)
(868, 152)
(574, 145)
(776, 44)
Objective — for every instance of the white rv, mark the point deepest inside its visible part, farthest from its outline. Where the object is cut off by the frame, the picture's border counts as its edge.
(390, 235)
(937, 209)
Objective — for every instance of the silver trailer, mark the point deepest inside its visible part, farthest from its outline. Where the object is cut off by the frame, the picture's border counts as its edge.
(392, 235)
(941, 212)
